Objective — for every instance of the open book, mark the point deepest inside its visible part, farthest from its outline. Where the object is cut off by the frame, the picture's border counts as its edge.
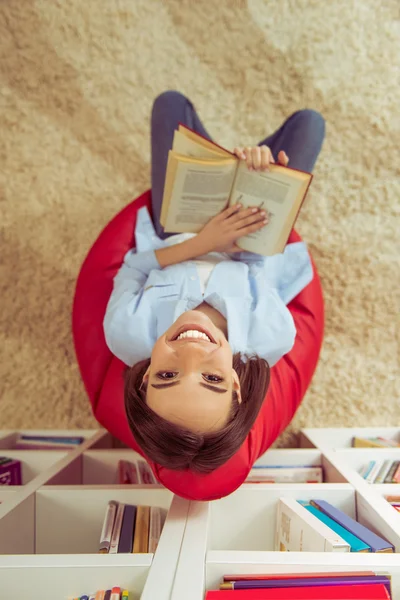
(202, 179)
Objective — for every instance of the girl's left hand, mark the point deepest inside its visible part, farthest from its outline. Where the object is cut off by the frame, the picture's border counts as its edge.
(258, 158)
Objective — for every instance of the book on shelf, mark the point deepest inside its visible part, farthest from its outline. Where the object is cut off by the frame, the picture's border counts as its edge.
(202, 178)
(115, 593)
(135, 472)
(373, 442)
(128, 528)
(10, 471)
(394, 501)
(314, 587)
(44, 442)
(361, 585)
(376, 543)
(381, 471)
(275, 474)
(297, 530)
(356, 545)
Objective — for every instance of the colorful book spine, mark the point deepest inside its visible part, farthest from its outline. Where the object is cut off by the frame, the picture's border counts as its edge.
(10, 473)
(157, 519)
(108, 525)
(307, 582)
(384, 471)
(376, 543)
(299, 531)
(145, 473)
(116, 532)
(141, 538)
(391, 472)
(368, 591)
(275, 576)
(356, 545)
(370, 478)
(127, 530)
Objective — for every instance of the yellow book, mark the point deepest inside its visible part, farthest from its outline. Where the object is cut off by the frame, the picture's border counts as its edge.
(141, 538)
(202, 179)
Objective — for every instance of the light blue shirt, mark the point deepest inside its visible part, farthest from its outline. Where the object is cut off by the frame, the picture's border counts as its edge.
(249, 290)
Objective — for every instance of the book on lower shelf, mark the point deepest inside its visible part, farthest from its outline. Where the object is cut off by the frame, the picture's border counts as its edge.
(359, 585)
(317, 526)
(137, 471)
(115, 593)
(10, 471)
(285, 474)
(47, 442)
(128, 528)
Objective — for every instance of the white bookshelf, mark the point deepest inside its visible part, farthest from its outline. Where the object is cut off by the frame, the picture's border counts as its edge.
(50, 525)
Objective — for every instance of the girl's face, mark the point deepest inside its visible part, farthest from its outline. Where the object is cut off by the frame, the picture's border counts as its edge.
(190, 379)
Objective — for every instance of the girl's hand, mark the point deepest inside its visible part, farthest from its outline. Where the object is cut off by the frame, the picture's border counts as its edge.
(259, 158)
(222, 231)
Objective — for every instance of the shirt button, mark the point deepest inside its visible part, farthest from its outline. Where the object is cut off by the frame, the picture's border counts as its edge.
(193, 278)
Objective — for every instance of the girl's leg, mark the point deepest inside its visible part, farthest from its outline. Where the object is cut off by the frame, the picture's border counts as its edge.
(169, 109)
(301, 137)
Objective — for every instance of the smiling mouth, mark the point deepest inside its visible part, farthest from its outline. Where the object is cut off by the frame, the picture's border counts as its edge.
(193, 333)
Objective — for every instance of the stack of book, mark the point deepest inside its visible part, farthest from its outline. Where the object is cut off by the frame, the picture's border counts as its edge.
(135, 472)
(116, 593)
(363, 585)
(10, 471)
(381, 471)
(317, 526)
(394, 501)
(128, 528)
(285, 474)
(374, 442)
(47, 442)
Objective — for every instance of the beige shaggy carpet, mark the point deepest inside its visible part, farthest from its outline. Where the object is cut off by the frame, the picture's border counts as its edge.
(77, 81)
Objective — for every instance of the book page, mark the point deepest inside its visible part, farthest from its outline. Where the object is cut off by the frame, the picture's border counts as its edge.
(274, 191)
(189, 147)
(202, 141)
(200, 190)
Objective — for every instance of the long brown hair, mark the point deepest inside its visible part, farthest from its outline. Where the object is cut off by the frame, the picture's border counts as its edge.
(178, 448)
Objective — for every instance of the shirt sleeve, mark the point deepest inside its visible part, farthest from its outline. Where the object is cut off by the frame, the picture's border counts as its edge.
(126, 327)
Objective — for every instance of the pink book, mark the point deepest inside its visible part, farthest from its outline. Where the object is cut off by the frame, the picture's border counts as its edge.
(10, 473)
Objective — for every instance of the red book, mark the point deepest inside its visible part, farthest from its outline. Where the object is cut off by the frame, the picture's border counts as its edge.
(340, 592)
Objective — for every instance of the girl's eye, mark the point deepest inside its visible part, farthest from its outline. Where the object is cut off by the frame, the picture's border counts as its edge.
(166, 374)
(212, 378)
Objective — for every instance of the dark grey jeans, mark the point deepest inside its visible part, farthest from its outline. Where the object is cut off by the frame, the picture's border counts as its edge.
(300, 136)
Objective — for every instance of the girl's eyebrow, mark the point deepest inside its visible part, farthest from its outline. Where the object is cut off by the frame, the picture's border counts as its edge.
(163, 386)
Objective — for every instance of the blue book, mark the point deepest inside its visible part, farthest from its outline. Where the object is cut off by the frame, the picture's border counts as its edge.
(356, 545)
(376, 543)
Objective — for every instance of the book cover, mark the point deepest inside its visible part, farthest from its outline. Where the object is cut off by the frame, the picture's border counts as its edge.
(370, 478)
(116, 532)
(391, 472)
(285, 475)
(10, 473)
(356, 545)
(145, 473)
(367, 443)
(57, 439)
(127, 529)
(157, 520)
(380, 478)
(141, 537)
(376, 543)
(297, 530)
(370, 591)
(309, 582)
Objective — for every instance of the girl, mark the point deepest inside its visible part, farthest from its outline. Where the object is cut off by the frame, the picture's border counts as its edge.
(199, 322)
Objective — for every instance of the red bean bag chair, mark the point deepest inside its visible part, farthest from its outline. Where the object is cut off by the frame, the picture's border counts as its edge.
(102, 372)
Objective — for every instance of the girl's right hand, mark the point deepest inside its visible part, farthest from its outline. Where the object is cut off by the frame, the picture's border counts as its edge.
(222, 231)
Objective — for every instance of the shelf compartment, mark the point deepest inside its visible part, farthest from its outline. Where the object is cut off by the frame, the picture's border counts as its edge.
(302, 457)
(100, 467)
(69, 520)
(96, 438)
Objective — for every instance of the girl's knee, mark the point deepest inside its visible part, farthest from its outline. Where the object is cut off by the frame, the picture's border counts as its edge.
(310, 118)
(169, 98)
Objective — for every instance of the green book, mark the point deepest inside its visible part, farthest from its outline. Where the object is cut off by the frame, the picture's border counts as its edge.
(356, 545)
